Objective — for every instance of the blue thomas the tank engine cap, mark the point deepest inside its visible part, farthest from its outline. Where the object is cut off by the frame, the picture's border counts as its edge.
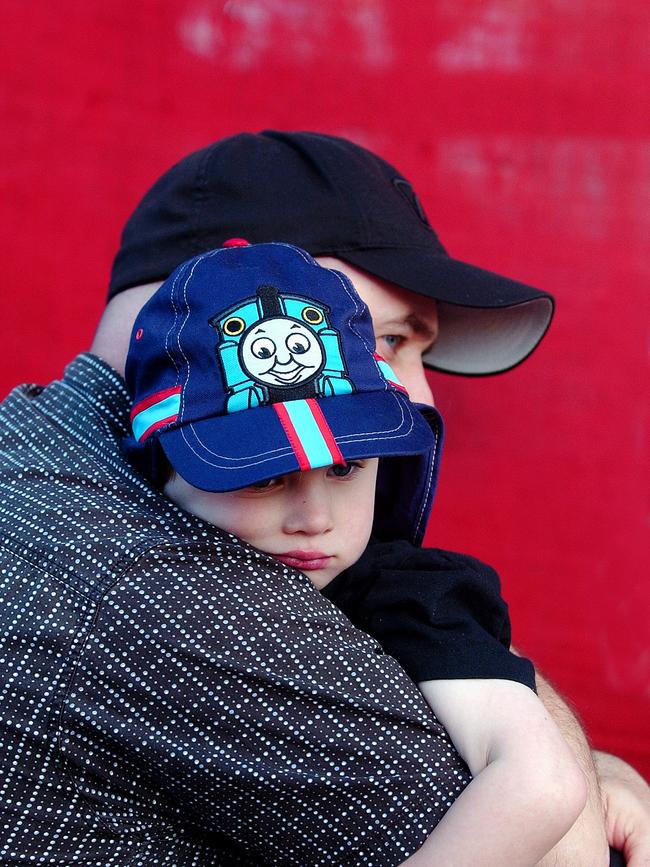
(251, 362)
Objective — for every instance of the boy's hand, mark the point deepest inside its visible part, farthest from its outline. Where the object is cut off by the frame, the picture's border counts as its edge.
(626, 798)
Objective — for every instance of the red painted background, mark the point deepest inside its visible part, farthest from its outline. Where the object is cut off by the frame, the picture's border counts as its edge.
(525, 126)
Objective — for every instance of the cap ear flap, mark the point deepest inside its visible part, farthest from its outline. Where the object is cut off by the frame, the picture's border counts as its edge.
(149, 459)
(403, 498)
(405, 488)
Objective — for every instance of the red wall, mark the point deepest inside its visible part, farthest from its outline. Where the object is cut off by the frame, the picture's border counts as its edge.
(525, 127)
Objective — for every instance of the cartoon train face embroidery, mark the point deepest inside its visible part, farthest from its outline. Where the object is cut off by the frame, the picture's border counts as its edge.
(281, 352)
(275, 347)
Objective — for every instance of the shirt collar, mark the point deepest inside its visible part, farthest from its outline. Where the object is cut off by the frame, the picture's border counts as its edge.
(98, 384)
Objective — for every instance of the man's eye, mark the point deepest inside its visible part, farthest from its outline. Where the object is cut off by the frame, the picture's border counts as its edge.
(392, 341)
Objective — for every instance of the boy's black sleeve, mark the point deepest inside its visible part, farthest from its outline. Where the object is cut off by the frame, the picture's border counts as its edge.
(440, 614)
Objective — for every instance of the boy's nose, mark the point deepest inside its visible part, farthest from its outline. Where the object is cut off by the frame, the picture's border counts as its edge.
(310, 511)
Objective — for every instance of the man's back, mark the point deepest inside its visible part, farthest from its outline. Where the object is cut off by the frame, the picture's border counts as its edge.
(65, 539)
(168, 697)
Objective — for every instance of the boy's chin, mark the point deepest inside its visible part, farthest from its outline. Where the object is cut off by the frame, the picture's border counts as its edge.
(319, 580)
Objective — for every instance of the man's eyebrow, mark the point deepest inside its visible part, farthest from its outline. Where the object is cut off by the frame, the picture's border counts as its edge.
(260, 330)
(417, 325)
(295, 325)
(420, 327)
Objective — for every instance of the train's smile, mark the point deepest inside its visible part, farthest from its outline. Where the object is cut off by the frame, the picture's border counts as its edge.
(288, 373)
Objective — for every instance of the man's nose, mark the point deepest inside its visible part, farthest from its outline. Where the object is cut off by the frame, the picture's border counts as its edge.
(310, 511)
(417, 384)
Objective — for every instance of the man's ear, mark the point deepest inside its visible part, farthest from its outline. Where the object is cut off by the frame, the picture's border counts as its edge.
(111, 341)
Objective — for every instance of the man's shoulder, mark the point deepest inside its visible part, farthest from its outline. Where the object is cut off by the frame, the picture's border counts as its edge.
(88, 406)
(69, 501)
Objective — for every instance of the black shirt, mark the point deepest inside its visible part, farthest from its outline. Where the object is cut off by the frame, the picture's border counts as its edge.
(439, 613)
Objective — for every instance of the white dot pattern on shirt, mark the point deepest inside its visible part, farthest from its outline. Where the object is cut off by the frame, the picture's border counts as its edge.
(168, 693)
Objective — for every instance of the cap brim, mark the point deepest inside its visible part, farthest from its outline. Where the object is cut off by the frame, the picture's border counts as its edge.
(233, 451)
(488, 323)
(245, 448)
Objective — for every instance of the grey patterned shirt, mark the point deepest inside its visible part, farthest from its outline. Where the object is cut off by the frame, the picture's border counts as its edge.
(172, 696)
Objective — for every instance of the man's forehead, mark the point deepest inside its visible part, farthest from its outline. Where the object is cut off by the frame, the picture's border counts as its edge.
(388, 302)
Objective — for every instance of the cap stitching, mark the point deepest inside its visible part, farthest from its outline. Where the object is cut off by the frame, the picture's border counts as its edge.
(168, 350)
(194, 265)
(424, 511)
(353, 247)
(386, 434)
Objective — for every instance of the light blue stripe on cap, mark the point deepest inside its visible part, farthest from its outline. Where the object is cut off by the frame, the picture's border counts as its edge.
(388, 371)
(311, 439)
(169, 406)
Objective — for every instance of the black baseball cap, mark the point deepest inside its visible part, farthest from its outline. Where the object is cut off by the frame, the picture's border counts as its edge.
(330, 197)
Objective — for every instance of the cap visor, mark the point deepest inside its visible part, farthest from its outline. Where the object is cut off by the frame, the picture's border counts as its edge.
(488, 323)
(244, 448)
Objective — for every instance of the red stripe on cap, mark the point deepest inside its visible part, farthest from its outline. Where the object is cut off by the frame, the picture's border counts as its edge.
(154, 398)
(324, 428)
(292, 436)
(156, 425)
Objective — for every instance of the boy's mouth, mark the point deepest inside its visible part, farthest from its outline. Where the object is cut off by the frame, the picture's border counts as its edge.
(304, 561)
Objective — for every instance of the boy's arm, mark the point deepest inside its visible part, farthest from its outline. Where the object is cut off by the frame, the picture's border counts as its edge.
(401, 597)
(527, 789)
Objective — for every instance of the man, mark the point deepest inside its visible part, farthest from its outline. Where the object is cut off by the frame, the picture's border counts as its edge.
(356, 213)
(103, 800)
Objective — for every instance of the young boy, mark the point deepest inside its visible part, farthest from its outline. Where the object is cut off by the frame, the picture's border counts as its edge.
(260, 405)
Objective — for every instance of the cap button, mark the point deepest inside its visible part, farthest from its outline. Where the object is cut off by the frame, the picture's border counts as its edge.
(236, 242)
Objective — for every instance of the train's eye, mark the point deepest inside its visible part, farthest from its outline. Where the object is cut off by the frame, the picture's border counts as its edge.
(234, 326)
(312, 315)
(297, 343)
(263, 347)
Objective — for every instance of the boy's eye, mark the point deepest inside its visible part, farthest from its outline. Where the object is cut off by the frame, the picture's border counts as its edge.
(342, 471)
(265, 485)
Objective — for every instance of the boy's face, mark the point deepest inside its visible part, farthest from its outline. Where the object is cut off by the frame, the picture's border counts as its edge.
(318, 522)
